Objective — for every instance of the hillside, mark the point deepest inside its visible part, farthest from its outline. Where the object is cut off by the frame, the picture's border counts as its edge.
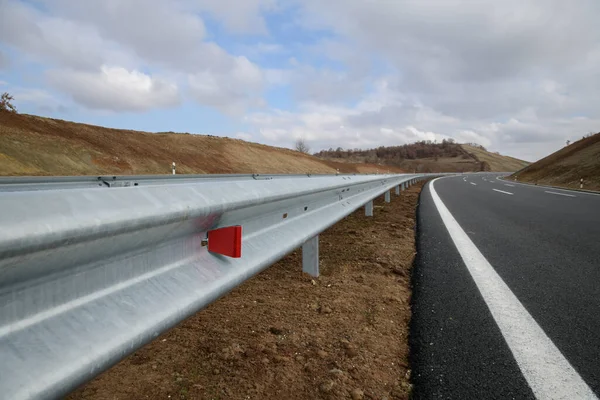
(567, 166)
(32, 145)
(497, 162)
(427, 156)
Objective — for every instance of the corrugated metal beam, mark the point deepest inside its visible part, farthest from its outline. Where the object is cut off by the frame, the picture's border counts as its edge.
(89, 275)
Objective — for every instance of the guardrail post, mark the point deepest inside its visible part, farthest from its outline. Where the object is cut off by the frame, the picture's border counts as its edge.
(403, 186)
(398, 190)
(387, 197)
(310, 256)
(369, 209)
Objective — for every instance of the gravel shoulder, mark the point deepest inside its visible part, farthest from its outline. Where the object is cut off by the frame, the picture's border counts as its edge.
(284, 335)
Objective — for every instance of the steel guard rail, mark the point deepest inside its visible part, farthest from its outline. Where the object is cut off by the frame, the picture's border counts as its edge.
(89, 276)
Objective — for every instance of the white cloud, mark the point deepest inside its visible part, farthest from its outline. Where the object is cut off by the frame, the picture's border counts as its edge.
(80, 38)
(509, 75)
(115, 89)
(231, 91)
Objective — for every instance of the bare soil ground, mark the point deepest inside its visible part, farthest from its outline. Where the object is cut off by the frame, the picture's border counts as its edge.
(567, 166)
(32, 145)
(283, 335)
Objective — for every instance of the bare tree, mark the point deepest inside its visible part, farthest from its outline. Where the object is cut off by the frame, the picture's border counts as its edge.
(301, 146)
(6, 103)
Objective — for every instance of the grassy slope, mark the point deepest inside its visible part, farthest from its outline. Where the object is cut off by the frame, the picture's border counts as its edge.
(31, 145)
(568, 165)
(497, 162)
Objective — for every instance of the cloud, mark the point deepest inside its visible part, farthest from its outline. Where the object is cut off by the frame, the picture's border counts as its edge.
(155, 30)
(231, 91)
(115, 89)
(82, 38)
(505, 74)
(55, 39)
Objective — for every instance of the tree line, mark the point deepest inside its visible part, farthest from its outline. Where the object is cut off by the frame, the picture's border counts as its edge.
(447, 148)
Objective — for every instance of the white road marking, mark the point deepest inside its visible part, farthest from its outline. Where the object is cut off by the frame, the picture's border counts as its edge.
(551, 187)
(546, 370)
(473, 183)
(508, 184)
(502, 191)
(560, 194)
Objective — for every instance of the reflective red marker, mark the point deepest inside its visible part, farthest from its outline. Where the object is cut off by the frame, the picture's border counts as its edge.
(226, 241)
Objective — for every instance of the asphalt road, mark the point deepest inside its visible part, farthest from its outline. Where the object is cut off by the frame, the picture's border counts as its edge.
(506, 298)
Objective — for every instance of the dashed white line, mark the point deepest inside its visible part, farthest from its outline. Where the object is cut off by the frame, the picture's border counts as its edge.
(554, 188)
(560, 194)
(502, 191)
(546, 370)
(508, 184)
(473, 183)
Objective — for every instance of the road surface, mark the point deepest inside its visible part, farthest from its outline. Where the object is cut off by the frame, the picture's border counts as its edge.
(506, 300)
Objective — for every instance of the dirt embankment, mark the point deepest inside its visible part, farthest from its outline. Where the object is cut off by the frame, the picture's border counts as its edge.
(31, 145)
(283, 335)
(567, 166)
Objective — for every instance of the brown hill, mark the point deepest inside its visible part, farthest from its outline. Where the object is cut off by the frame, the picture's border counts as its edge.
(567, 166)
(32, 145)
(427, 156)
(496, 161)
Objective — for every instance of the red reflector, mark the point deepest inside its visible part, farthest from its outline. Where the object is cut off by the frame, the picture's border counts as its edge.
(226, 241)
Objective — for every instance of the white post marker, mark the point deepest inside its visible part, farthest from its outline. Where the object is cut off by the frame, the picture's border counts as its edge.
(310, 256)
(173, 166)
(547, 371)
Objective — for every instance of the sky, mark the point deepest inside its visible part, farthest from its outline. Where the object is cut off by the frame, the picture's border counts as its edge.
(517, 76)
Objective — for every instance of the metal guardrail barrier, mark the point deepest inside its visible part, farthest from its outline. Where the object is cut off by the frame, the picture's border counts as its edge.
(88, 276)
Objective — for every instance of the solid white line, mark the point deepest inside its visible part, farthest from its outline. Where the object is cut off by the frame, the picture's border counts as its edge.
(502, 191)
(560, 194)
(508, 184)
(546, 370)
(473, 183)
(553, 188)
